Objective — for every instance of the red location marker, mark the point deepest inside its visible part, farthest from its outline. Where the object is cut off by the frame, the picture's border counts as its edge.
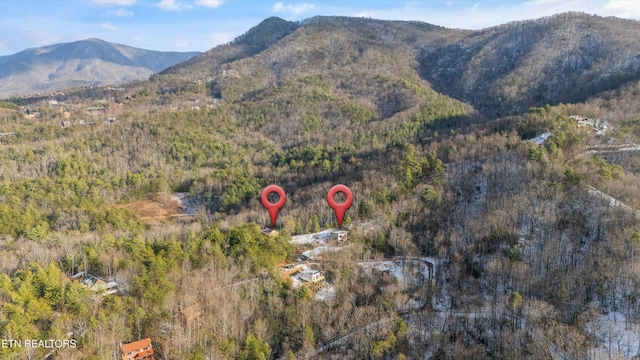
(273, 208)
(340, 209)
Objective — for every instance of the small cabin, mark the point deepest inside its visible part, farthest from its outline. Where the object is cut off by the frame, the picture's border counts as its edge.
(270, 232)
(339, 235)
(55, 105)
(96, 284)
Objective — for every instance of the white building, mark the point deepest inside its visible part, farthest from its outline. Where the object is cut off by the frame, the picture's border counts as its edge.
(312, 276)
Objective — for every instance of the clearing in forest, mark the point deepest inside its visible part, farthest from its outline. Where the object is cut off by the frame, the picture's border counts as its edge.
(156, 210)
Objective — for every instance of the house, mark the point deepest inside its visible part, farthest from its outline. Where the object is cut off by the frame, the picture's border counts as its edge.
(290, 269)
(339, 235)
(96, 284)
(30, 113)
(55, 105)
(93, 109)
(137, 350)
(600, 126)
(311, 276)
(269, 231)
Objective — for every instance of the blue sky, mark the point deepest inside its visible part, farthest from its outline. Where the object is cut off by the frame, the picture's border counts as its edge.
(187, 25)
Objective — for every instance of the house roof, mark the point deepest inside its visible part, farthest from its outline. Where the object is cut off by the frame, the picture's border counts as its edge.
(144, 354)
(137, 345)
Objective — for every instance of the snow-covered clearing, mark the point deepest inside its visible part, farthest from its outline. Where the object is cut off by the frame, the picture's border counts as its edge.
(316, 253)
(318, 238)
(540, 139)
(407, 271)
(616, 338)
(326, 293)
(612, 201)
(320, 242)
(612, 148)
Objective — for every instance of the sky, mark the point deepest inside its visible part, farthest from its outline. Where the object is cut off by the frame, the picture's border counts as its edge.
(199, 25)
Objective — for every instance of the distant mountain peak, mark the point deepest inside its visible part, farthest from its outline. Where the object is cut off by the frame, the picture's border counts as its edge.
(267, 32)
(86, 62)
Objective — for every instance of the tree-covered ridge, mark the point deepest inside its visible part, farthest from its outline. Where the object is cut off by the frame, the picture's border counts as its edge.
(507, 69)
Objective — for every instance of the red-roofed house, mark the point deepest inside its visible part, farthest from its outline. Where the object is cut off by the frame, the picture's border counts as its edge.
(138, 350)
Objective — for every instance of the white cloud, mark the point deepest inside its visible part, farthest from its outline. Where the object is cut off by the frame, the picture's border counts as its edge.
(122, 13)
(115, 2)
(292, 9)
(210, 3)
(629, 9)
(108, 26)
(543, 2)
(172, 5)
(181, 44)
(42, 37)
(220, 38)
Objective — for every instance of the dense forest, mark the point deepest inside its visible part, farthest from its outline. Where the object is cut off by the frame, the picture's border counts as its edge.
(521, 195)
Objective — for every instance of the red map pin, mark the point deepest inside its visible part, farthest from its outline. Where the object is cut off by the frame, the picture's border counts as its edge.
(273, 208)
(340, 209)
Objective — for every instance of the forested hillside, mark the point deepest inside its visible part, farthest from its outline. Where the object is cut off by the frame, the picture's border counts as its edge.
(505, 160)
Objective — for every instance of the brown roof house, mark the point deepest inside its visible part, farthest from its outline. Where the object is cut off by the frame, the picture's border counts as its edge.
(138, 350)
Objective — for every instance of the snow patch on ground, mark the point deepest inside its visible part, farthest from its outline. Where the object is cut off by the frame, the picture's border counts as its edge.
(405, 271)
(314, 238)
(194, 204)
(616, 338)
(540, 139)
(598, 149)
(326, 293)
(613, 202)
(316, 252)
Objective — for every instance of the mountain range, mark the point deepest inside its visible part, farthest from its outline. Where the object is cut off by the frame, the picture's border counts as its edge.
(500, 70)
(90, 62)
